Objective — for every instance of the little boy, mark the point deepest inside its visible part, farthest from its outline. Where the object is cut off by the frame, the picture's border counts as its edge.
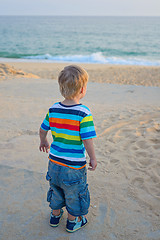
(72, 128)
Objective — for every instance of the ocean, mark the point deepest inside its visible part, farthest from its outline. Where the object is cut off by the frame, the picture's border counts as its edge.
(106, 40)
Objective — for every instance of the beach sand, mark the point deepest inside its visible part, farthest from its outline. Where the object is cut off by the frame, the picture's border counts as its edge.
(102, 73)
(125, 188)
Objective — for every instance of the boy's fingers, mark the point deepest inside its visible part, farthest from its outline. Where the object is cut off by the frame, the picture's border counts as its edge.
(47, 150)
(44, 148)
(40, 148)
(91, 169)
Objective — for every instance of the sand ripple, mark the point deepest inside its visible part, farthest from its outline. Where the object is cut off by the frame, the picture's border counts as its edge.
(130, 143)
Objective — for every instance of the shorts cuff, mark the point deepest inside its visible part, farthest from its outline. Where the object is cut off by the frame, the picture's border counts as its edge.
(57, 207)
(77, 214)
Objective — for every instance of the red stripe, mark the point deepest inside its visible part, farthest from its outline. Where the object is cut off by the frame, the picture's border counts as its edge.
(65, 126)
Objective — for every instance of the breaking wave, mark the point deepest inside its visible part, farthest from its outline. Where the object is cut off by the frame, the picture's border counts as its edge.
(97, 57)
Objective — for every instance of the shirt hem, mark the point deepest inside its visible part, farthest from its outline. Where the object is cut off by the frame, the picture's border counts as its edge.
(65, 165)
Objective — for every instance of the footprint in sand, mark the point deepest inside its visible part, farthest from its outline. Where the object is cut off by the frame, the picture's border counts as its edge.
(145, 162)
(138, 182)
(141, 154)
(155, 140)
(142, 144)
(156, 147)
(114, 161)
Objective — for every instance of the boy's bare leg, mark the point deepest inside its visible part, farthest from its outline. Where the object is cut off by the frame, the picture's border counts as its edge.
(72, 218)
(56, 212)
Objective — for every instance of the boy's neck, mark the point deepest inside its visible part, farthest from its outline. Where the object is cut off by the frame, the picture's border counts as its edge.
(70, 101)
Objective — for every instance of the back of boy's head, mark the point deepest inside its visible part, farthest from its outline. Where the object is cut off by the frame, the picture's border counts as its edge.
(71, 79)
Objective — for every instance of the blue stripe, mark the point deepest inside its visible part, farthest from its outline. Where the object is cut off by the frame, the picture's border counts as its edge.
(66, 150)
(67, 111)
(61, 160)
(85, 107)
(67, 154)
(87, 129)
(76, 166)
(46, 122)
(44, 127)
(68, 146)
(65, 131)
(88, 135)
(63, 116)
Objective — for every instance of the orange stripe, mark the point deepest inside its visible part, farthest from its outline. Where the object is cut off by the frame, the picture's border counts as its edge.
(62, 164)
(66, 121)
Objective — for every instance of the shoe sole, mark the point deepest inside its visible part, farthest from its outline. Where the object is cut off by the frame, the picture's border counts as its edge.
(71, 231)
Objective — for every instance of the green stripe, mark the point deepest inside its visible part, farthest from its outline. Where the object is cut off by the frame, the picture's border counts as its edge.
(86, 124)
(66, 141)
(47, 117)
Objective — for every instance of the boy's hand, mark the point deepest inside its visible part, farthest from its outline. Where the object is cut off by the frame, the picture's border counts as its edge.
(44, 146)
(92, 164)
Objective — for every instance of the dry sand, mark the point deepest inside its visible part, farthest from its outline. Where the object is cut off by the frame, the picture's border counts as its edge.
(7, 71)
(125, 188)
(102, 73)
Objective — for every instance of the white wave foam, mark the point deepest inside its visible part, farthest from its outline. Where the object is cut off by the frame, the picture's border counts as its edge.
(97, 57)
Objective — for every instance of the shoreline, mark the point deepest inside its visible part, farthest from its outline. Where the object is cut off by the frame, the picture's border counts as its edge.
(100, 73)
(48, 61)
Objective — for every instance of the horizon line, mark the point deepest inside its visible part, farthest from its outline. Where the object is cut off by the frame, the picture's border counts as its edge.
(19, 15)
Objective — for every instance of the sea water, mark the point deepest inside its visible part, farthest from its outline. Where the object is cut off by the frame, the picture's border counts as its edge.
(107, 40)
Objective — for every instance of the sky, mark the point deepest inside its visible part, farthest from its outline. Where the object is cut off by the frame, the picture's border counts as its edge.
(81, 7)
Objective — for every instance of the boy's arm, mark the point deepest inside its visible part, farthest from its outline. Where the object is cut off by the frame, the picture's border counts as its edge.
(88, 143)
(44, 144)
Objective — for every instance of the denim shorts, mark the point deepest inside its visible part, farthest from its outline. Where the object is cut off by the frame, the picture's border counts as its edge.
(68, 187)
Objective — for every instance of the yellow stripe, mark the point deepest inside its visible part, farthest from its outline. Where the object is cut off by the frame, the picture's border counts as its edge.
(87, 119)
(62, 164)
(66, 136)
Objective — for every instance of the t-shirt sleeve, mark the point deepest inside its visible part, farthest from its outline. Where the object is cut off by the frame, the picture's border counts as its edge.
(87, 129)
(45, 124)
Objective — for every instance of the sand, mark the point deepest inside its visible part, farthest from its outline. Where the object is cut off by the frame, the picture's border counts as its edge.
(102, 73)
(125, 188)
(7, 71)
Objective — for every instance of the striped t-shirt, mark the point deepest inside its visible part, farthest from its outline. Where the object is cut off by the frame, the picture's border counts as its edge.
(69, 126)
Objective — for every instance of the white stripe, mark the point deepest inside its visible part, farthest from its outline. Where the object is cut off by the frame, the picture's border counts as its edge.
(56, 105)
(69, 158)
(81, 108)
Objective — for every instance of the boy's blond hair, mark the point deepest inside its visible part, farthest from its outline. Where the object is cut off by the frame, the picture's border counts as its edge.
(71, 79)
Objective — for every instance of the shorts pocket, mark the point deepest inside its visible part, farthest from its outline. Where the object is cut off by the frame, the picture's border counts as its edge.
(49, 195)
(84, 197)
(48, 178)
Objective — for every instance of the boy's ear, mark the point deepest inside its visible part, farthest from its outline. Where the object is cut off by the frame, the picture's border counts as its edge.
(82, 89)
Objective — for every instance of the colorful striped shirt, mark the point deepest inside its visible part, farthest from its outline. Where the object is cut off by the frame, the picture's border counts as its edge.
(69, 126)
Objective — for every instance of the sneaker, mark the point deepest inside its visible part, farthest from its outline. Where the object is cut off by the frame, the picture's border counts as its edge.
(55, 220)
(74, 225)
